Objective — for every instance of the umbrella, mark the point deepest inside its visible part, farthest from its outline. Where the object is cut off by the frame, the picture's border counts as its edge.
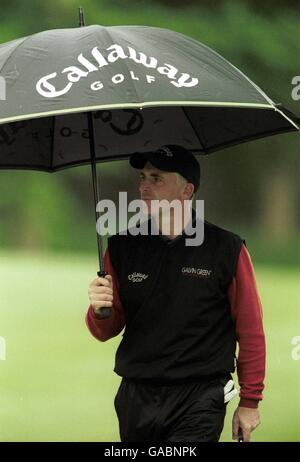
(90, 94)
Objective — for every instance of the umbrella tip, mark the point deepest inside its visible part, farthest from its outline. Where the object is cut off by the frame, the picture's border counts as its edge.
(81, 17)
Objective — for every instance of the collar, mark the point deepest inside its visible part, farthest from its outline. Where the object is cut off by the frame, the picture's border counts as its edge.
(153, 225)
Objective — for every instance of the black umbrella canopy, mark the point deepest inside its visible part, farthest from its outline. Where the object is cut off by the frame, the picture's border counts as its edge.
(88, 94)
(145, 86)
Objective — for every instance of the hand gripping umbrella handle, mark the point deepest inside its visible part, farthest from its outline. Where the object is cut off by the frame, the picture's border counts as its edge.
(104, 312)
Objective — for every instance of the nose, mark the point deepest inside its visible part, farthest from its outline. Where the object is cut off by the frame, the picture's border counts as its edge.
(144, 186)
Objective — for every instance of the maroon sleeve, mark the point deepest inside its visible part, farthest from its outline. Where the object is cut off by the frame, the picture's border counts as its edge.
(104, 329)
(246, 311)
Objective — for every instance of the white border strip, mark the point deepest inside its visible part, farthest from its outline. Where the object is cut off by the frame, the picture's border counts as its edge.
(135, 105)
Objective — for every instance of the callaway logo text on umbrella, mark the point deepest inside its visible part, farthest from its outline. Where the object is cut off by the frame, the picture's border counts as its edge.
(116, 52)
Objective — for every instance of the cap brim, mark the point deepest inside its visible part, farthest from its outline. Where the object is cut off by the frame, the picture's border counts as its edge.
(139, 159)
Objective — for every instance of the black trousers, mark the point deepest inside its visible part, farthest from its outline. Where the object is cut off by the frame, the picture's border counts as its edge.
(185, 412)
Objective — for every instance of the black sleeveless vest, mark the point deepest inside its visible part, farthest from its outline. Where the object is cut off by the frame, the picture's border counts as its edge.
(178, 319)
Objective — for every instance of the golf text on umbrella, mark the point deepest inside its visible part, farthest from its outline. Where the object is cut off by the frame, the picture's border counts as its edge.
(75, 73)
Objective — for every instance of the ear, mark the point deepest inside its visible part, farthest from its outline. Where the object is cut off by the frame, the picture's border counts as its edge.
(188, 191)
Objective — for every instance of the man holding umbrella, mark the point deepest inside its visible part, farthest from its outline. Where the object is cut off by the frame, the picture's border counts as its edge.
(183, 309)
(110, 91)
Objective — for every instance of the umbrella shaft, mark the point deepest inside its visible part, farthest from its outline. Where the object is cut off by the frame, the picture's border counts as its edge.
(95, 185)
(81, 17)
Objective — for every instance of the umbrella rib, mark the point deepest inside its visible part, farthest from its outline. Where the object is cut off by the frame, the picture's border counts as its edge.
(219, 56)
(271, 102)
(195, 131)
(25, 39)
(287, 118)
(124, 62)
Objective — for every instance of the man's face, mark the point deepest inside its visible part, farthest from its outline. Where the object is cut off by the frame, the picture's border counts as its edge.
(157, 184)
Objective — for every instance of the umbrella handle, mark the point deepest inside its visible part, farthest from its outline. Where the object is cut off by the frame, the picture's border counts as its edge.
(240, 436)
(104, 312)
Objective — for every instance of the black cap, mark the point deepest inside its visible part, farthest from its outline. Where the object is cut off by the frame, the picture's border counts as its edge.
(170, 158)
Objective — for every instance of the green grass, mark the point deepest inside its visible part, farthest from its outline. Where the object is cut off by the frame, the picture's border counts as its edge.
(280, 410)
(57, 382)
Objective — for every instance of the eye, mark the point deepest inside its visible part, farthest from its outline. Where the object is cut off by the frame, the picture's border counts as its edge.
(156, 179)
